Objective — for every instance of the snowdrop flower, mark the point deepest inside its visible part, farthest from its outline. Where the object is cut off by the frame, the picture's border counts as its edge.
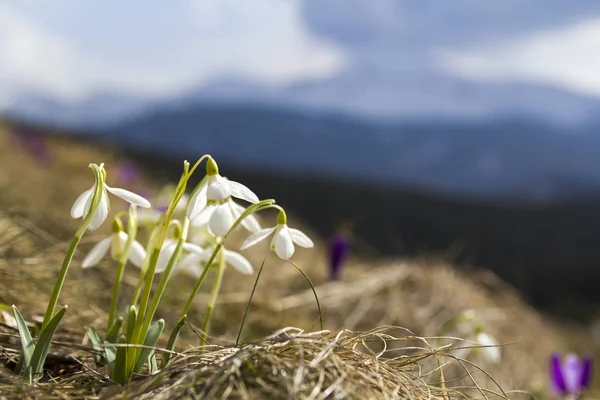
(489, 350)
(116, 244)
(212, 204)
(571, 376)
(192, 263)
(283, 239)
(82, 204)
(167, 250)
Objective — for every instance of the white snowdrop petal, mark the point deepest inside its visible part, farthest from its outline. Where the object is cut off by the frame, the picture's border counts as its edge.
(182, 203)
(300, 238)
(218, 190)
(164, 256)
(256, 237)
(491, 352)
(193, 248)
(77, 211)
(204, 215)
(101, 212)
(242, 192)
(137, 255)
(239, 262)
(191, 265)
(97, 253)
(197, 203)
(284, 247)
(221, 220)
(129, 197)
(148, 216)
(250, 222)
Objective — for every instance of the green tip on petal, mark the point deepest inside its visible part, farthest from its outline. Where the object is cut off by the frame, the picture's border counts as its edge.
(117, 225)
(212, 168)
(281, 218)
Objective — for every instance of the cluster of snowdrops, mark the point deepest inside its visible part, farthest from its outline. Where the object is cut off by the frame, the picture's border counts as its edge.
(128, 347)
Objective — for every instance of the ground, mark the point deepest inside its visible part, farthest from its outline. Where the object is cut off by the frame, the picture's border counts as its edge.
(420, 295)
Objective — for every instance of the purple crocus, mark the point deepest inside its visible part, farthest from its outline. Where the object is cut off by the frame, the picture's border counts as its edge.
(571, 376)
(338, 252)
(33, 143)
(127, 173)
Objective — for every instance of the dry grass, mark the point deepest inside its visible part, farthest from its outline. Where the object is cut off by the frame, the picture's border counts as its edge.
(420, 295)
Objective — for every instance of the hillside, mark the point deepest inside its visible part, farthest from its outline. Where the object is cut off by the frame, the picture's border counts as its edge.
(419, 294)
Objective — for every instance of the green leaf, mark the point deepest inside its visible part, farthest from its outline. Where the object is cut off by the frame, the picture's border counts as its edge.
(118, 372)
(97, 344)
(151, 339)
(152, 363)
(40, 353)
(26, 340)
(173, 339)
(131, 320)
(115, 329)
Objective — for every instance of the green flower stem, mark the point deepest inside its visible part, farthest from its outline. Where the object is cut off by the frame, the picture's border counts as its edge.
(212, 301)
(141, 280)
(99, 185)
(131, 234)
(166, 276)
(161, 232)
(250, 210)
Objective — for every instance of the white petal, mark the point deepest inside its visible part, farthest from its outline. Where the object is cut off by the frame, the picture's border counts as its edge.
(204, 215)
(97, 253)
(250, 222)
(221, 220)
(218, 190)
(193, 248)
(256, 237)
(300, 238)
(242, 192)
(197, 203)
(101, 212)
(77, 211)
(284, 247)
(191, 264)
(164, 256)
(137, 255)
(239, 262)
(491, 353)
(128, 196)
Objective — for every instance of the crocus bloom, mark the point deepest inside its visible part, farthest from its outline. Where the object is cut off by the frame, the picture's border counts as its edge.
(116, 244)
(192, 262)
(82, 204)
(338, 252)
(283, 239)
(127, 173)
(571, 376)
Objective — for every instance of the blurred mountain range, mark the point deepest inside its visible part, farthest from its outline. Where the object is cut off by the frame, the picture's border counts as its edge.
(521, 153)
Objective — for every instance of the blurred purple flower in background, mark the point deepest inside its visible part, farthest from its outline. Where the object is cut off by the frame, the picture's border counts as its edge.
(33, 143)
(338, 253)
(127, 173)
(571, 376)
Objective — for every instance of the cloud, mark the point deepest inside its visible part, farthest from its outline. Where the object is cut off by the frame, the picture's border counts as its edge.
(565, 57)
(72, 49)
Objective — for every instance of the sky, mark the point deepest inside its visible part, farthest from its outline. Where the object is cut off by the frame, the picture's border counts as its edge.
(73, 49)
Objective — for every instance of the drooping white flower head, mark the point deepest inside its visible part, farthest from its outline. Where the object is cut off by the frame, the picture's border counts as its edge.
(491, 351)
(167, 250)
(84, 201)
(116, 244)
(283, 239)
(212, 204)
(193, 263)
